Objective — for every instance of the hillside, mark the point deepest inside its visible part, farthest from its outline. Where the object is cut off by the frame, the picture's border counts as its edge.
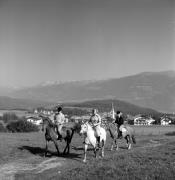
(14, 103)
(155, 90)
(105, 106)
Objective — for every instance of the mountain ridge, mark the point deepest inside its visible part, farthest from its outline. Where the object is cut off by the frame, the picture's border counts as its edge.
(148, 89)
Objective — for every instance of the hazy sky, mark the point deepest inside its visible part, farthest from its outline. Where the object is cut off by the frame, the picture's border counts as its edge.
(48, 40)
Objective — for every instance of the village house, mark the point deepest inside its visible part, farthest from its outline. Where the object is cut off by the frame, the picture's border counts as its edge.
(142, 120)
(34, 120)
(165, 120)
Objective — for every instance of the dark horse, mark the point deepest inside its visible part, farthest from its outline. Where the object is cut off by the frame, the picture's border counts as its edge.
(128, 135)
(51, 135)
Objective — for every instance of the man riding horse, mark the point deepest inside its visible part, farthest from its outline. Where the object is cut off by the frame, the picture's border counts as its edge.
(59, 120)
(119, 121)
(95, 121)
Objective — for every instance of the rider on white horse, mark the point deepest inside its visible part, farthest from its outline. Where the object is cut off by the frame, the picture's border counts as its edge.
(95, 121)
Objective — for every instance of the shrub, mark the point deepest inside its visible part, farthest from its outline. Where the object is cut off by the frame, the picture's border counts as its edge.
(7, 117)
(130, 121)
(2, 128)
(22, 126)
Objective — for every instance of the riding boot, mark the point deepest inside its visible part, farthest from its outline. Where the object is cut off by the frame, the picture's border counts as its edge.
(59, 135)
(120, 135)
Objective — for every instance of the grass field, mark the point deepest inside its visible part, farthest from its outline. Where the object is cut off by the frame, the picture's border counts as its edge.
(153, 157)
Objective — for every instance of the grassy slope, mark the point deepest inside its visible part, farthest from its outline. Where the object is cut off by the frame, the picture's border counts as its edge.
(153, 157)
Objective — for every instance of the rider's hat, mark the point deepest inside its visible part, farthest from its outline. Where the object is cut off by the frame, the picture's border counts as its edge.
(118, 112)
(59, 109)
(94, 110)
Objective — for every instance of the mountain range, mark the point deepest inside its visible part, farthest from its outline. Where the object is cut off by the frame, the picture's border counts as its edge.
(154, 90)
(21, 104)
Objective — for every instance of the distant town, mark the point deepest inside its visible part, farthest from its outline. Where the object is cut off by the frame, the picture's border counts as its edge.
(139, 119)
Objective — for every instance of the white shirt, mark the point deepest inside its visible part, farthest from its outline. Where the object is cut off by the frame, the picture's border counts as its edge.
(95, 119)
(59, 118)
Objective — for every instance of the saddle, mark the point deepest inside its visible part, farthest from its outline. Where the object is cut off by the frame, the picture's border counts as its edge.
(123, 130)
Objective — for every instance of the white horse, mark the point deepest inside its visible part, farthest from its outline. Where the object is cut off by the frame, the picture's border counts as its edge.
(90, 138)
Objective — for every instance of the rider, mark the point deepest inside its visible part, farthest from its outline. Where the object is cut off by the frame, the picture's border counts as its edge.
(59, 119)
(119, 121)
(95, 121)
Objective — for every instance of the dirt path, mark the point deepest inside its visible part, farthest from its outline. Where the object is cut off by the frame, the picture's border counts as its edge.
(8, 170)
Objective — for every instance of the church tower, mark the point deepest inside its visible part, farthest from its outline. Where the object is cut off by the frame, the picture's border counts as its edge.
(112, 112)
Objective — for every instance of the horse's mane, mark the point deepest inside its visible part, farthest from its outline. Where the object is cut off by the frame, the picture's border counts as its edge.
(87, 123)
(50, 123)
(112, 126)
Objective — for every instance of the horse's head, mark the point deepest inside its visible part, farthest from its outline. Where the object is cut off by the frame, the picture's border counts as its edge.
(84, 128)
(46, 122)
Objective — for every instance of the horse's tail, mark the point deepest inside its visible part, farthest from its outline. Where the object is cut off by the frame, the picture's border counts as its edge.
(133, 139)
(70, 133)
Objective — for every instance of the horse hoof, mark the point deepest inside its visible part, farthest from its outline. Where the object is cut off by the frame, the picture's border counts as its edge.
(84, 161)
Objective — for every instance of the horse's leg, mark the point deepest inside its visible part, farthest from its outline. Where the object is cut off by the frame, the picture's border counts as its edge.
(56, 145)
(133, 139)
(85, 150)
(112, 144)
(46, 148)
(68, 147)
(69, 142)
(116, 144)
(129, 145)
(102, 149)
(128, 139)
(64, 152)
(95, 152)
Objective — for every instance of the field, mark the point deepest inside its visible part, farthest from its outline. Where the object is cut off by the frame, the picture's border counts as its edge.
(153, 157)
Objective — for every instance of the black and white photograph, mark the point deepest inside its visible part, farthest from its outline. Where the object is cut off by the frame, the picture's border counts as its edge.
(87, 89)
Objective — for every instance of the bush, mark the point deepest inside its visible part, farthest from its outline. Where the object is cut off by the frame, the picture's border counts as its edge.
(7, 117)
(22, 126)
(130, 121)
(2, 128)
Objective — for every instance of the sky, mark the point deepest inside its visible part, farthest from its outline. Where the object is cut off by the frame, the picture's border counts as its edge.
(65, 40)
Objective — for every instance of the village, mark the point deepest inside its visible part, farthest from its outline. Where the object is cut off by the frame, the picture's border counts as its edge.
(138, 120)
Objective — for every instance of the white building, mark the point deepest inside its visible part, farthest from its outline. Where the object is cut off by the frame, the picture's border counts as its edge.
(165, 121)
(34, 120)
(139, 120)
(112, 113)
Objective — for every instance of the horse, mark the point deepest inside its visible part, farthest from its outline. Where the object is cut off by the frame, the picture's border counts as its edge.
(51, 134)
(127, 133)
(90, 139)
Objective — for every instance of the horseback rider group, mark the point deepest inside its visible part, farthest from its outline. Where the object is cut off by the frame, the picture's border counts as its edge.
(58, 119)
